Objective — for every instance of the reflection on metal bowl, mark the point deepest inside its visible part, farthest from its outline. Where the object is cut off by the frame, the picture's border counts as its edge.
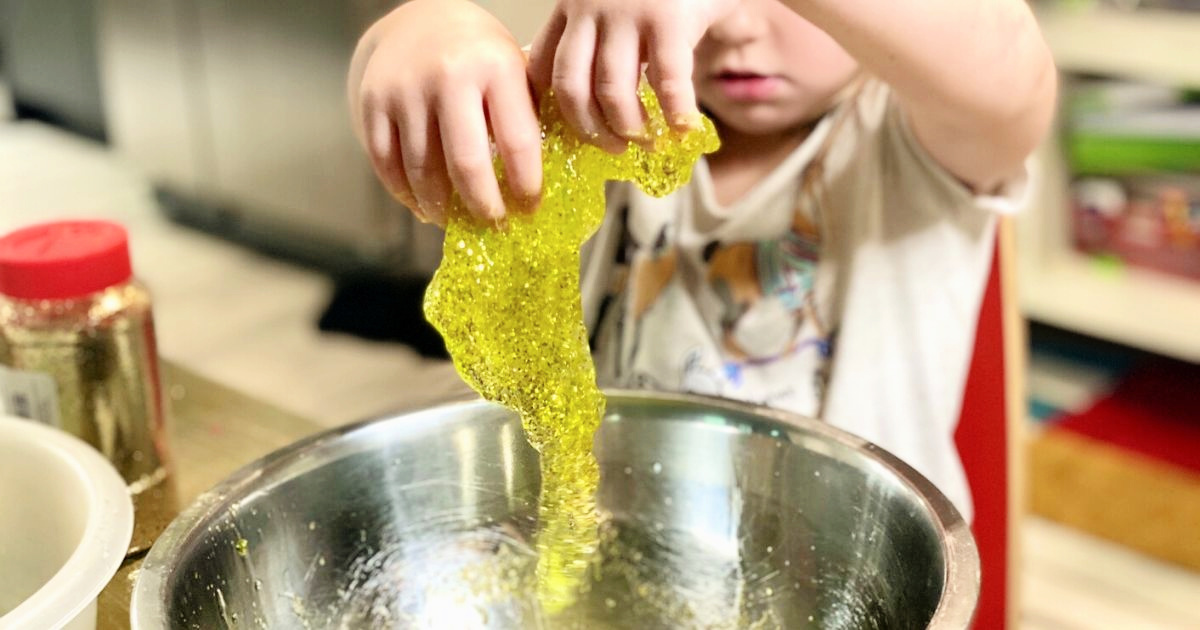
(721, 515)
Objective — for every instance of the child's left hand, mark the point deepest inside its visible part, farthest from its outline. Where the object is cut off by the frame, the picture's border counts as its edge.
(591, 53)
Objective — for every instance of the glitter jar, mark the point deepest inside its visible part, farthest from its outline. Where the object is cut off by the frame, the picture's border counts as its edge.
(77, 351)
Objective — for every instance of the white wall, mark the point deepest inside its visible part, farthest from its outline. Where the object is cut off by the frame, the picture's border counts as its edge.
(48, 54)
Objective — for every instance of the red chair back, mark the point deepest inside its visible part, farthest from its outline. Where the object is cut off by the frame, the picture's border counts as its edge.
(982, 437)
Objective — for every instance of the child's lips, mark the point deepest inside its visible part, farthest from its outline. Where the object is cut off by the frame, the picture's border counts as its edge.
(746, 86)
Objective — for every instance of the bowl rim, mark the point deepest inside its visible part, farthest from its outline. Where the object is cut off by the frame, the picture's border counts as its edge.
(109, 526)
(961, 578)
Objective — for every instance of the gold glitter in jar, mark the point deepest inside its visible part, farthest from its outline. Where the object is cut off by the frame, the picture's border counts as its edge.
(100, 351)
(507, 303)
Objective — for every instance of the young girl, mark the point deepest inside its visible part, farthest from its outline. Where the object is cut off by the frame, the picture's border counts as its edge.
(829, 259)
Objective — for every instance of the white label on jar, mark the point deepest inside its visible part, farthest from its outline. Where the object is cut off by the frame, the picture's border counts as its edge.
(31, 395)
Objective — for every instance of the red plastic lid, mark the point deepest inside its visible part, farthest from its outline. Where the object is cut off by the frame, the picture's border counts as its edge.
(63, 259)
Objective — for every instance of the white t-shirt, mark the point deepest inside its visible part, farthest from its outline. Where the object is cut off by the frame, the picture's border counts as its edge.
(846, 286)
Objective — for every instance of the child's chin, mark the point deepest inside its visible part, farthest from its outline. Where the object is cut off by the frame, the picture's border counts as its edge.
(758, 120)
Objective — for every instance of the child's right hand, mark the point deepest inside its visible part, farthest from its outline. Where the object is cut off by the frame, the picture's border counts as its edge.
(426, 84)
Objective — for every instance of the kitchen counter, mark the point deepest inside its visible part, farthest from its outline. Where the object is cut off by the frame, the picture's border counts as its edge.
(214, 430)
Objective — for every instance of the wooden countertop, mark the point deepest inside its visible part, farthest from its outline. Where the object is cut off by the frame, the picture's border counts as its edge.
(214, 430)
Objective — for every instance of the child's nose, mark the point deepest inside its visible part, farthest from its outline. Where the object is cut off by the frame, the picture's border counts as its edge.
(744, 24)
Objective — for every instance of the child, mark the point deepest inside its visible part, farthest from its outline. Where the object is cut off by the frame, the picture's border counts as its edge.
(829, 259)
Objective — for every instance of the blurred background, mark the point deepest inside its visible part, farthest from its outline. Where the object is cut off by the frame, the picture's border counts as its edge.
(216, 131)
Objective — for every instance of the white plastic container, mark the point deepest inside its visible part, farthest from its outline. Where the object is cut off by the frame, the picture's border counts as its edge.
(66, 519)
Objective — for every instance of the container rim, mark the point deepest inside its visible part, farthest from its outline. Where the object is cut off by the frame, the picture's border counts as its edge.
(106, 533)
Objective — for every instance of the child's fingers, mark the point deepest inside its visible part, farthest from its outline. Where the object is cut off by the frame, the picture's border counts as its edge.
(670, 74)
(518, 136)
(572, 84)
(424, 164)
(615, 87)
(383, 148)
(402, 192)
(541, 52)
(468, 151)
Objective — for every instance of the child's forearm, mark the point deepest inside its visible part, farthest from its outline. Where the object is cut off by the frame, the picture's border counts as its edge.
(974, 76)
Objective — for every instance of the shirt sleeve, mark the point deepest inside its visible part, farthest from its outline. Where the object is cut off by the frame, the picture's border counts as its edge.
(914, 249)
(1011, 196)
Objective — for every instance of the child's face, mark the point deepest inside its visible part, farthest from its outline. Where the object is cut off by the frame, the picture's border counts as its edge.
(764, 69)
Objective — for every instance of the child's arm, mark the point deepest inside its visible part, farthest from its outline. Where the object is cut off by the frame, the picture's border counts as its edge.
(425, 84)
(974, 76)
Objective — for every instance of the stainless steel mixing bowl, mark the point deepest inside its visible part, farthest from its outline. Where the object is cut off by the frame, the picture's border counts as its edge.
(723, 515)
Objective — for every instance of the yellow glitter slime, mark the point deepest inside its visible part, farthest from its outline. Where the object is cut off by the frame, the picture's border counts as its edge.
(507, 303)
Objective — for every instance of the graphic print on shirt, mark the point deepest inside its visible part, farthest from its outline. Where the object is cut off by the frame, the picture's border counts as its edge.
(651, 271)
(767, 291)
(756, 301)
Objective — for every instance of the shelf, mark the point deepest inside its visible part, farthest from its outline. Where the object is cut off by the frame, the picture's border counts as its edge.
(1057, 286)
(1157, 45)
(1139, 308)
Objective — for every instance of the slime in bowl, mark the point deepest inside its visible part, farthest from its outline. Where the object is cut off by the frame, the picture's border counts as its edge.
(507, 303)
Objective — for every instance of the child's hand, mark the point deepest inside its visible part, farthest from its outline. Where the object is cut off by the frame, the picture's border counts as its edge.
(426, 83)
(591, 53)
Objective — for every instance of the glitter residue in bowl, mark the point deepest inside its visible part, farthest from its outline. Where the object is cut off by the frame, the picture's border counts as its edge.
(507, 303)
